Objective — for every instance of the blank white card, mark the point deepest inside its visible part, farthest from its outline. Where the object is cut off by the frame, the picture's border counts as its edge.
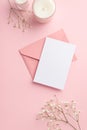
(54, 63)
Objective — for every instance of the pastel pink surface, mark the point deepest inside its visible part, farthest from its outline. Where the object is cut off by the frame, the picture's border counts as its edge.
(31, 53)
(20, 100)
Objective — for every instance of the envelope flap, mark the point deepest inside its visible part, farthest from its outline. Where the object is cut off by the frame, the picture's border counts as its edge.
(59, 35)
(33, 50)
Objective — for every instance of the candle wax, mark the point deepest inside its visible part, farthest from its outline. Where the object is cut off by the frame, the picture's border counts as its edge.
(21, 1)
(44, 8)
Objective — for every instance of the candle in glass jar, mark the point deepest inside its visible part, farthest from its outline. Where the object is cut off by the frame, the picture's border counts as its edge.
(43, 10)
(22, 4)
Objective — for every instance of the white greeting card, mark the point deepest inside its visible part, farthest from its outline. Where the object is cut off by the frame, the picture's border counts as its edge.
(54, 63)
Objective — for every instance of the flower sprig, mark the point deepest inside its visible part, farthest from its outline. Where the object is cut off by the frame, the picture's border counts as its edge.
(56, 112)
(19, 18)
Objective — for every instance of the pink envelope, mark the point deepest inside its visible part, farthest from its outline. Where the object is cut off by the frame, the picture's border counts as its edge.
(31, 53)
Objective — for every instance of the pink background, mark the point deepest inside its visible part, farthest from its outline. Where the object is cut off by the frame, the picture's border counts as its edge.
(20, 100)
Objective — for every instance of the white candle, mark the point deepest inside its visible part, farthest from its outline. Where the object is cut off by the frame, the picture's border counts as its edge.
(22, 4)
(43, 10)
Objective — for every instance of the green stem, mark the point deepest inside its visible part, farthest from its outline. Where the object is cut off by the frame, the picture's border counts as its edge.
(67, 120)
(68, 124)
(79, 126)
(76, 121)
(9, 3)
(64, 116)
(72, 126)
